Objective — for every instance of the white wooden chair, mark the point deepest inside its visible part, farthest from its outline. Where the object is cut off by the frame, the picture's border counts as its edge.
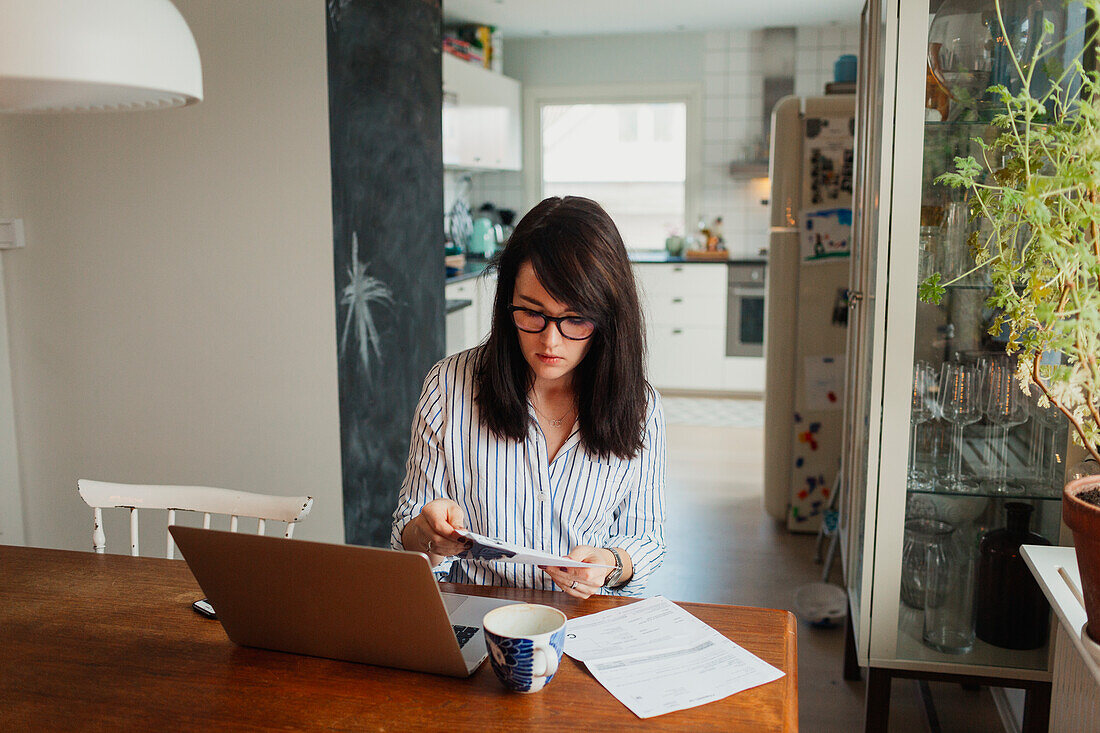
(101, 494)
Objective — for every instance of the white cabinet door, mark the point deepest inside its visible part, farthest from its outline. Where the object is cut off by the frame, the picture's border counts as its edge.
(685, 311)
(462, 326)
(481, 118)
(486, 292)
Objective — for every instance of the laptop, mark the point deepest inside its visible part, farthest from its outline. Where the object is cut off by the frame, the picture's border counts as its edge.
(358, 604)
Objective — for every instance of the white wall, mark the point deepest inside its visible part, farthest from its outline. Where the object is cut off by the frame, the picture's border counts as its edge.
(172, 317)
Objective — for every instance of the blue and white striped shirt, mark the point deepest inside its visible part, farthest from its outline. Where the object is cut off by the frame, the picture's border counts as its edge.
(508, 489)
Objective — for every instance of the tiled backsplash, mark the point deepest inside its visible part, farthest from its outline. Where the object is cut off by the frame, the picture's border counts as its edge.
(732, 79)
(733, 94)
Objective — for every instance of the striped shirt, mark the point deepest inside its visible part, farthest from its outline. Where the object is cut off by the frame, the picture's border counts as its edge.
(508, 489)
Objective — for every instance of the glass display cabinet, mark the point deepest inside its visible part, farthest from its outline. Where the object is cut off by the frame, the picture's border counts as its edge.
(946, 463)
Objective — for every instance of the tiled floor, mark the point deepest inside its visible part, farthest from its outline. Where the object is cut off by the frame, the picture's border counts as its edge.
(713, 412)
(723, 548)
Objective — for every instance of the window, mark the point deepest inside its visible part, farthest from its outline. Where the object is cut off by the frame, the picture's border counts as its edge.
(630, 157)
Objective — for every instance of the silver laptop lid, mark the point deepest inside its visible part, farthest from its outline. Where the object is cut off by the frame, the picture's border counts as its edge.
(360, 604)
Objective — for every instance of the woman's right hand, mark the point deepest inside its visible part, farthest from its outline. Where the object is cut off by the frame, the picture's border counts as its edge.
(435, 530)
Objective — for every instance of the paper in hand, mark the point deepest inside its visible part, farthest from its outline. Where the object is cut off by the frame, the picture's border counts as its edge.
(489, 548)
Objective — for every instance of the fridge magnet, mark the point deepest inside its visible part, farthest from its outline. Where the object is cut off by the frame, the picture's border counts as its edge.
(823, 380)
(826, 234)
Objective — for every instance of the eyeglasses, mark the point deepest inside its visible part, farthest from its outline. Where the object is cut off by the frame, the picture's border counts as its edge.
(573, 328)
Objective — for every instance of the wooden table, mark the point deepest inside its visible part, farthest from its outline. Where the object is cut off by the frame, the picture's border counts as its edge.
(109, 642)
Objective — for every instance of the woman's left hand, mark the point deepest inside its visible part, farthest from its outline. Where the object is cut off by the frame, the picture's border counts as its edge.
(583, 582)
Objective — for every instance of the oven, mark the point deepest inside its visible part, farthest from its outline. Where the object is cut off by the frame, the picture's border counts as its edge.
(745, 311)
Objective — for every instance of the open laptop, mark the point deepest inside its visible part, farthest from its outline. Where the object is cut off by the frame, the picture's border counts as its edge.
(359, 604)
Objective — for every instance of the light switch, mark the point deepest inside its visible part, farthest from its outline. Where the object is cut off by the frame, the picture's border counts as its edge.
(11, 234)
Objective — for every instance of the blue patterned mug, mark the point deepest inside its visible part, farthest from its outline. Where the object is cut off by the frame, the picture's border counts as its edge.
(525, 643)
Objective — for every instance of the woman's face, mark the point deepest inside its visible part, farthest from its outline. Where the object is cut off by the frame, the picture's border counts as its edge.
(551, 356)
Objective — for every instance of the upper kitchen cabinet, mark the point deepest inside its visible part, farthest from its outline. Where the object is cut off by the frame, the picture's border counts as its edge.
(481, 118)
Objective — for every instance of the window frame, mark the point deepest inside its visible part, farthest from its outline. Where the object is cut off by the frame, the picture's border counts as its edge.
(688, 94)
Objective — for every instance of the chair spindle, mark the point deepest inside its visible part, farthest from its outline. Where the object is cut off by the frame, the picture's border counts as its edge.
(133, 531)
(171, 545)
(99, 539)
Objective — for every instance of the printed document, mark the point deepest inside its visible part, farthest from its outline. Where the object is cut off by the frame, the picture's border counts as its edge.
(655, 657)
(489, 548)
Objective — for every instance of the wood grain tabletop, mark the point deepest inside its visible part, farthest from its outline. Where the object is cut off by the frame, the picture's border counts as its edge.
(109, 642)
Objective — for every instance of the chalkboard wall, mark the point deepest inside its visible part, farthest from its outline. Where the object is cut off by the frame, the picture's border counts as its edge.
(385, 102)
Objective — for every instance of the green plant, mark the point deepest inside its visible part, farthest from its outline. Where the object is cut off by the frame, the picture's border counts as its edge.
(1037, 188)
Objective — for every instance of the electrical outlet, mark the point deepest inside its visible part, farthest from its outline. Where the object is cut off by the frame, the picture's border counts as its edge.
(11, 234)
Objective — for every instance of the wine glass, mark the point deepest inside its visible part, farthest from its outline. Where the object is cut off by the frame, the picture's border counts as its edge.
(960, 404)
(1005, 407)
(1052, 465)
(923, 408)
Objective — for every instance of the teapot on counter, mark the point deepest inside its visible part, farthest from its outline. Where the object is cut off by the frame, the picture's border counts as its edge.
(488, 234)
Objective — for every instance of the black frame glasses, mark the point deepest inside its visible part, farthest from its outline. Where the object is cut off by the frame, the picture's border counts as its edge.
(557, 321)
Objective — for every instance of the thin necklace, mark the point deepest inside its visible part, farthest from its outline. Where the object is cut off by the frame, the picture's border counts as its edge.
(553, 423)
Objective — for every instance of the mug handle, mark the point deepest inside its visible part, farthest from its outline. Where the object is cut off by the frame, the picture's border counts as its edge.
(549, 660)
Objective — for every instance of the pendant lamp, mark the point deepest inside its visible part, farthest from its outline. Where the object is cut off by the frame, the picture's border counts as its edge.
(96, 55)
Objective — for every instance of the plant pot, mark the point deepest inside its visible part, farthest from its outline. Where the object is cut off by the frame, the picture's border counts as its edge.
(1084, 519)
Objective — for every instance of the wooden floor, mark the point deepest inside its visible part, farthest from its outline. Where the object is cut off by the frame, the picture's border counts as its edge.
(723, 548)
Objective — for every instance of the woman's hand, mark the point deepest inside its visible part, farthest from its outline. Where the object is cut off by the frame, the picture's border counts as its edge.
(434, 530)
(583, 582)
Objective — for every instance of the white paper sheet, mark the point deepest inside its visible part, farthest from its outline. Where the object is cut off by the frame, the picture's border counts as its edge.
(489, 548)
(655, 657)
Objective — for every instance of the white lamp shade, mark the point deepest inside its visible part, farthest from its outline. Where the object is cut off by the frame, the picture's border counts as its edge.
(96, 55)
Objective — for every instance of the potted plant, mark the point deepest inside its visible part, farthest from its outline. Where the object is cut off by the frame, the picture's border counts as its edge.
(1036, 191)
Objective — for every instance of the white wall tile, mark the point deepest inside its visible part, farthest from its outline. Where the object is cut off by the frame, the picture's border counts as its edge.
(739, 86)
(740, 39)
(716, 41)
(715, 108)
(716, 152)
(714, 85)
(832, 35)
(715, 62)
(715, 130)
(808, 36)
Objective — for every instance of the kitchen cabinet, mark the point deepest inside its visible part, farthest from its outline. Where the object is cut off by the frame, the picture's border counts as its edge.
(685, 313)
(481, 118)
(470, 326)
(898, 463)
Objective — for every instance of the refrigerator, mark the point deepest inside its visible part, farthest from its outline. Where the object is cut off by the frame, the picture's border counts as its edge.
(812, 144)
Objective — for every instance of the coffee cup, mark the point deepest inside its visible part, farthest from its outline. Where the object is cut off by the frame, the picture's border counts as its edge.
(525, 642)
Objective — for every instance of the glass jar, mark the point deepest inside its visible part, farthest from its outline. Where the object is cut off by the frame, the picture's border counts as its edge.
(925, 542)
(927, 254)
(949, 596)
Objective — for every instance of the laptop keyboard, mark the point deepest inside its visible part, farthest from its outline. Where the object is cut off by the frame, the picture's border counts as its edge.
(464, 633)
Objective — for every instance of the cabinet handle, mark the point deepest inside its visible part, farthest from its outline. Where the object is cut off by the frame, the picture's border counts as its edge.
(854, 296)
(677, 268)
(677, 331)
(677, 300)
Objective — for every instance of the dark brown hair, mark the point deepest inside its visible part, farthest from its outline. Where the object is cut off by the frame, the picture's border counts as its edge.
(579, 257)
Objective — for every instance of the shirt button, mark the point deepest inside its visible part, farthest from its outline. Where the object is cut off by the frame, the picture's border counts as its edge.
(542, 495)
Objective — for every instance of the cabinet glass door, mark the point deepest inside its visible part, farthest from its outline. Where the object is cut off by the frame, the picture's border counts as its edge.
(979, 448)
(861, 323)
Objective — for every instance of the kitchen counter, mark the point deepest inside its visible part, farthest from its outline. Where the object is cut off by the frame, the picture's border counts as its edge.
(663, 258)
(471, 269)
(475, 267)
(453, 306)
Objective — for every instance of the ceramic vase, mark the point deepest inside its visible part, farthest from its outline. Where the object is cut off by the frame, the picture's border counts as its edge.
(1010, 609)
(1084, 519)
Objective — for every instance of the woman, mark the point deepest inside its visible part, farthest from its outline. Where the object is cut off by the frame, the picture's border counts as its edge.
(547, 435)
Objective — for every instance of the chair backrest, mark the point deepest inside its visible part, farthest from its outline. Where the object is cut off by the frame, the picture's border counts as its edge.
(101, 494)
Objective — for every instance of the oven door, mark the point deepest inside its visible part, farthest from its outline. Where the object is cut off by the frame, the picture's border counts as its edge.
(745, 320)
